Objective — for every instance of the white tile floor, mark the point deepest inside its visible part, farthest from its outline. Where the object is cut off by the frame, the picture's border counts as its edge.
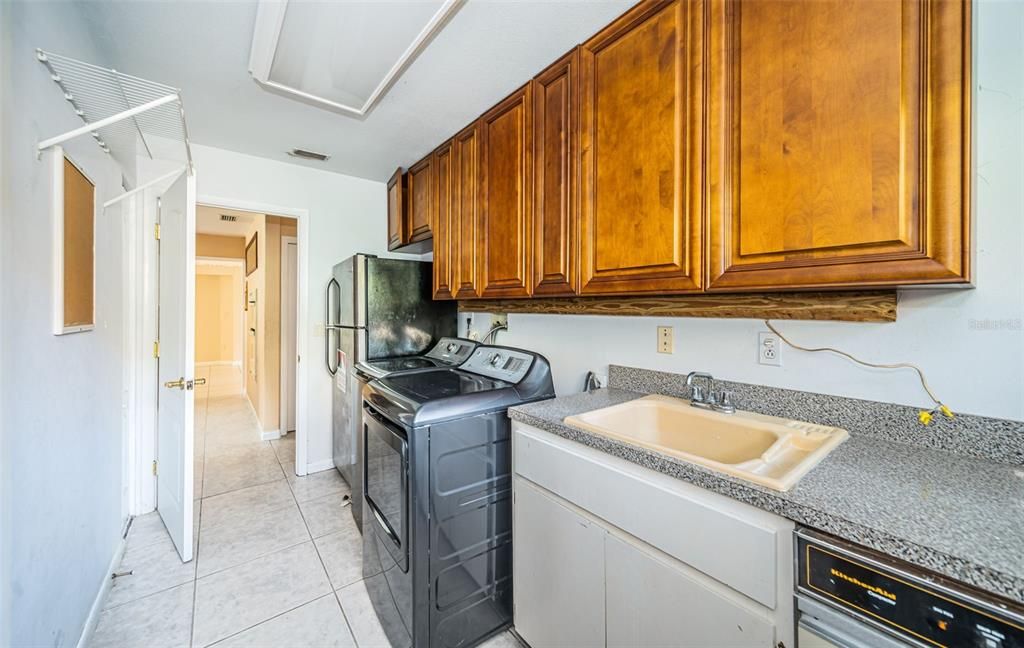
(278, 557)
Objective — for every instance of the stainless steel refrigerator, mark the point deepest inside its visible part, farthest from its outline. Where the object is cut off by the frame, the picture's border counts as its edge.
(376, 308)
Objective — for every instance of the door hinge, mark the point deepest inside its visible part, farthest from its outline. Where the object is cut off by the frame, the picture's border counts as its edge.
(156, 231)
(156, 348)
(154, 467)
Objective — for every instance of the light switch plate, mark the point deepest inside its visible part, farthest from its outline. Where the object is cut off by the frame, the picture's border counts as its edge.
(665, 342)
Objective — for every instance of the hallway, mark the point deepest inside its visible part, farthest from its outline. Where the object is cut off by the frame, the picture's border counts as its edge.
(277, 557)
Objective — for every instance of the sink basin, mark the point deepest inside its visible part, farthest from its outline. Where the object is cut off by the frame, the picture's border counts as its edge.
(774, 452)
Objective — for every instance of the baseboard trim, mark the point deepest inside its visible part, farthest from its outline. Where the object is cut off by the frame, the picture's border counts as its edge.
(220, 363)
(270, 435)
(101, 596)
(319, 466)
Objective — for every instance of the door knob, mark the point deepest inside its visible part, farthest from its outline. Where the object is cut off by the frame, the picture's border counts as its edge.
(175, 384)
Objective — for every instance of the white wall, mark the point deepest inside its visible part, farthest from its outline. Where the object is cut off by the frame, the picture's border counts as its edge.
(969, 342)
(346, 215)
(5, 517)
(61, 469)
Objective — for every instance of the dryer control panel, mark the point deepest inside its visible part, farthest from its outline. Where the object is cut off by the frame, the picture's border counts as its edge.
(499, 363)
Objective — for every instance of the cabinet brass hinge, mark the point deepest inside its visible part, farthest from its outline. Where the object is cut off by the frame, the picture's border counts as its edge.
(156, 231)
(156, 348)
(154, 467)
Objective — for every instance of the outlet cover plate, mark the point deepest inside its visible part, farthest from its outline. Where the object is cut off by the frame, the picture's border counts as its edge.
(769, 349)
(665, 342)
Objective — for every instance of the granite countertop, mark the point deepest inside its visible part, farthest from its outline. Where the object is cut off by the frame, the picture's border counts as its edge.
(959, 516)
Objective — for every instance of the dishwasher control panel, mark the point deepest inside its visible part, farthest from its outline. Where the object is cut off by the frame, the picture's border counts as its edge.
(921, 608)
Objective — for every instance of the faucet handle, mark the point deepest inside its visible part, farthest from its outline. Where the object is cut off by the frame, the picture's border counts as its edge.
(697, 394)
(725, 403)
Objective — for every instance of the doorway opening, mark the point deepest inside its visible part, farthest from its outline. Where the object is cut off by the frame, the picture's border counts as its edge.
(247, 313)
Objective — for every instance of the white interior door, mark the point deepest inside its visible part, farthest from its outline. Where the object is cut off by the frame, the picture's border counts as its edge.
(289, 283)
(176, 401)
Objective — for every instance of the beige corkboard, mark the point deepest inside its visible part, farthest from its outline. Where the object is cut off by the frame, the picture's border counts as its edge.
(78, 248)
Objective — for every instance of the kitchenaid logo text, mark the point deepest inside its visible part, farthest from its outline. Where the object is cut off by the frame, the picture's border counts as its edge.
(878, 592)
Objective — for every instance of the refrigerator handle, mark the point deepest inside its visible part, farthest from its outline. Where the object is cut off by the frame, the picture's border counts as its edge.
(329, 328)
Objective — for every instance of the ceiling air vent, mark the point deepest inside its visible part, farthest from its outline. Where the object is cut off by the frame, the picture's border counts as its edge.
(228, 218)
(309, 155)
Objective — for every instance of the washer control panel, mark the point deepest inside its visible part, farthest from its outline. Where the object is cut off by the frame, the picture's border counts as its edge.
(452, 350)
(503, 364)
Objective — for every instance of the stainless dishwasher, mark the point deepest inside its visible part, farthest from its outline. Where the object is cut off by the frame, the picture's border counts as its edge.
(848, 596)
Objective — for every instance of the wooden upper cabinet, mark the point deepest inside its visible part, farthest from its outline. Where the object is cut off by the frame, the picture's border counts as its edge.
(466, 165)
(420, 190)
(441, 215)
(640, 126)
(396, 210)
(506, 197)
(839, 143)
(556, 180)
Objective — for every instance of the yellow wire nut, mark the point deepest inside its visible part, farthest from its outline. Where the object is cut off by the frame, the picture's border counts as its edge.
(948, 413)
(925, 417)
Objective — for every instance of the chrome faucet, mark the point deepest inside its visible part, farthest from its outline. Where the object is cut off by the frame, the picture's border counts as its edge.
(706, 397)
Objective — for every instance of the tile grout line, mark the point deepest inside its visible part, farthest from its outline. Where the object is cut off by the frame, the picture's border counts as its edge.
(327, 573)
(302, 514)
(279, 614)
(199, 531)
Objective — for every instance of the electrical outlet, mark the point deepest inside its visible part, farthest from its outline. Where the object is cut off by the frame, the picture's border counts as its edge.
(769, 349)
(665, 342)
(501, 319)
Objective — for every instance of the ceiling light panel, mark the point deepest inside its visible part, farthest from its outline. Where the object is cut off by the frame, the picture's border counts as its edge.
(342, 55)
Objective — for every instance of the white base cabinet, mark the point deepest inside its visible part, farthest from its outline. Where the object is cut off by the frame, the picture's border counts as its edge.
(562, 569)
(652, 601)
(581, 580)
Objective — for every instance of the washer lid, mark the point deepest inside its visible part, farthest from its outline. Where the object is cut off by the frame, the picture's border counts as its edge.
(424, 386)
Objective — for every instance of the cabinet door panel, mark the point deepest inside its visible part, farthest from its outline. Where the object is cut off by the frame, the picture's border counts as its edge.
(442, 175)
(558, 573)
(556, 181)
(653, 602)
(506, 198)
(466, 159)
(837, 143)
(420, 199)
(641, 152)
(396, 210)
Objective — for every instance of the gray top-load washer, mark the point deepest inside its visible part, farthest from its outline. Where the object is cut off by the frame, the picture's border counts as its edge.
(437, 544)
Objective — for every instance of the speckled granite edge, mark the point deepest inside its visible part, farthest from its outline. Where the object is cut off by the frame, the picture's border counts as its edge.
(968, 435)
(548, 415)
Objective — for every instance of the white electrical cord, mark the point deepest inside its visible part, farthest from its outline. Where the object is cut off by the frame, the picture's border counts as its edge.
(941, 407)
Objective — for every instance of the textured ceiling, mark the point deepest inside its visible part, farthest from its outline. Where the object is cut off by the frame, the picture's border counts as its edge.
(487, 50)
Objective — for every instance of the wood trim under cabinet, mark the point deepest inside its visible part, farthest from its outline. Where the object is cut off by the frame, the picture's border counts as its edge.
(852, 306)
(556, 178)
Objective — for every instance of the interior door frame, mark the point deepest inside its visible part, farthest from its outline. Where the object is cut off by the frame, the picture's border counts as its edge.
(285, 360)
(302, 298)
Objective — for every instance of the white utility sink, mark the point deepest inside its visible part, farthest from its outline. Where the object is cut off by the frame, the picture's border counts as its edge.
(774, 452)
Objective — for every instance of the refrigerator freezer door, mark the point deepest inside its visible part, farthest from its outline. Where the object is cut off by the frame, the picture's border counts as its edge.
(401, 316)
